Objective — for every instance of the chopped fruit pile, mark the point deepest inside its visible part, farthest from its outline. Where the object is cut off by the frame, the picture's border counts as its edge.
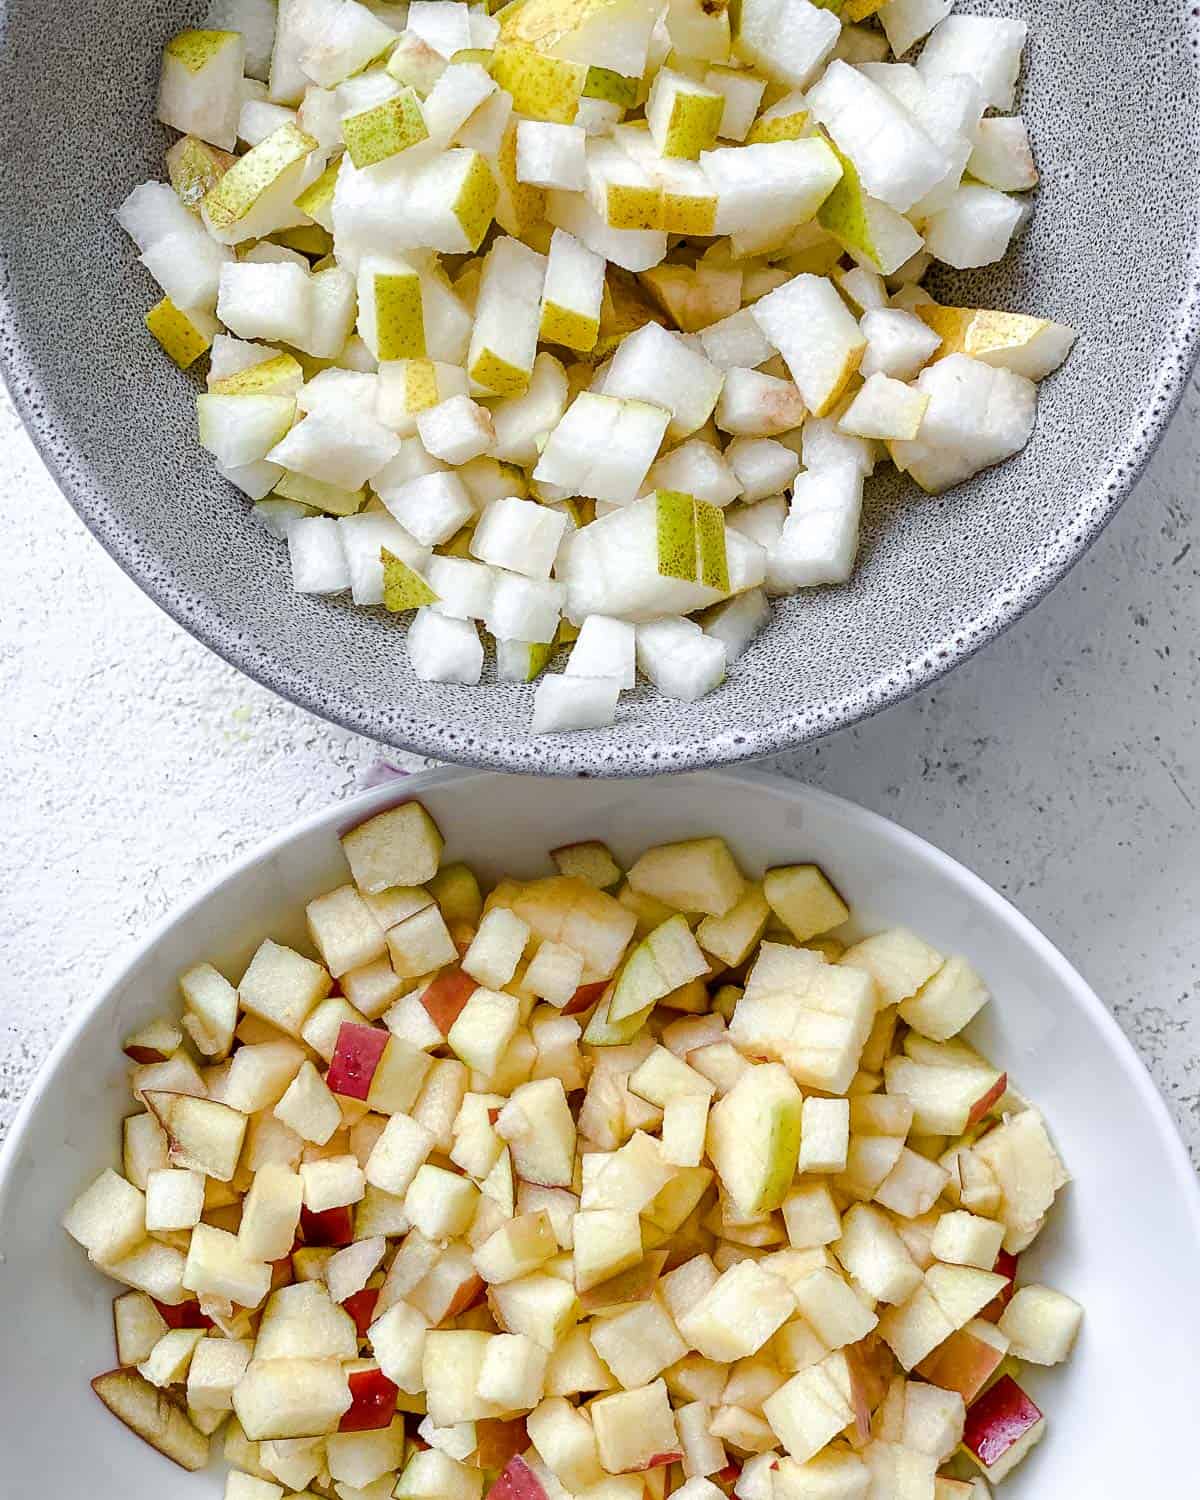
(580, 320)
(612, 1186)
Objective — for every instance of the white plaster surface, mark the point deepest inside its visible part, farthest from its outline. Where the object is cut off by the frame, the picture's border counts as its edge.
(1062, 764)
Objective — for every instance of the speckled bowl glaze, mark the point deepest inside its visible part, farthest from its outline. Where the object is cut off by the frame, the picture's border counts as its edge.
(1112, 95)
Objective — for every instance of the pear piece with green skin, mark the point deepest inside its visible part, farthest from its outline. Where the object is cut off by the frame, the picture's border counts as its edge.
(319, 495)
(200, 88)
(691, 540)
(609, 34)
(542, 88)
(194, 168)
(184, 336)
(279, 376)
(684, 116)
(403, 587)
(676, 520)
(524, 661)
(785, 120)
(1028, 346)
(375, 134)
(614, 88)
(257, 192)
(868, 229)
(754, 1138)
(317, 199)
(308, 239)
(391, 316)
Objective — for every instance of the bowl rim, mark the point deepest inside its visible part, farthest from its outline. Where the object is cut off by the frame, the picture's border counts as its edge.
(346, 813)
(614, 756)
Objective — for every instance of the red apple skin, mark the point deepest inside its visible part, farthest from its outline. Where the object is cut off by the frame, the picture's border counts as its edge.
(963, 1363)
(355, 1058)
(372, 1402)
(517, 1481)
(586, 995)
(1000, 1418)
(445, 997)
(332, 1228)
(145, 1054)
(361, 1307)
(730, 1474)
(499, 1441)
(660, 1460)
(1006, 1265)
(981, 1106)
(186, 1315)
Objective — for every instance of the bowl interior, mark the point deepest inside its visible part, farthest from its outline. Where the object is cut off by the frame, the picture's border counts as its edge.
(1112, 99)
(1124, 1240)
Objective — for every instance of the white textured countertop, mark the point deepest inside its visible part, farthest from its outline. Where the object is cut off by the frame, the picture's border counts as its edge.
(1062, 764)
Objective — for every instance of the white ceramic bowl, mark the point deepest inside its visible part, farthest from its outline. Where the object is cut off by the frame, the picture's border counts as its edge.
(1125, 1240)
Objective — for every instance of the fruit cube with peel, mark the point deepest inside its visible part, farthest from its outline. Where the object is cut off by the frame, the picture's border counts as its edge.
(517, 1248)
(399, 847)
(554, 973)
(1041, 1325)
(1001, 1428)
(635, 1429)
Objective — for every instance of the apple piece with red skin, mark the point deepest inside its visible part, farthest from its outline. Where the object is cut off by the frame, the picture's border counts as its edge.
(963, 1363)
(372, 1402)
(627, 1287)
(730, 1474)
(1006, 1265)
(185, 1315)
(498, 1440)
(154, 1416)
(1001, 1428)
(985, 1102)
(660, 1460)
(470, 1293)
(361, 1307)
(517, 1481)
(329, 1228)
(355, 1058)
(446, 996)
(584, 997)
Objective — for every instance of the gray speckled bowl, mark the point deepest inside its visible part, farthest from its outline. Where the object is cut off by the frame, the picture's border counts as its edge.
(1112, 94)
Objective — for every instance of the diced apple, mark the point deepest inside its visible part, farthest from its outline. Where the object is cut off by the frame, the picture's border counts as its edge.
(401, 846)
(541, 1306)
(915, 1329)
(538, 1125)
(109, 1219)
(372, 1410)
(754, 1136)
(518, 1247)
(806, 1413)
(738, 1314)
(635, 1429)
(967, 1360)
(290, 1398)
(1001, 1428)
(696, 875)
(155, 1418)
(804, 900)
(1041, 1325)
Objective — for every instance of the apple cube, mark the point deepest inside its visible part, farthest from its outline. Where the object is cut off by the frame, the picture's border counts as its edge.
(290, 1398)
(684, 1129)
(696, 875)
(898, 961)
(138, 1326)
(837, 1313)
(804, 900)
(1001, 1428)
(807, 1412)
(204, 1136)
(824, 1135)
(397, 1155)
(915, 1329)
(933, 1420)
(635, 1429)
(259, 1072)
(216, 1367)
(358, 1456)
(607, 1241)
(1041, 1325)
(158, 1421)
(398, 1341)
(913, 1185)
(153, 1268)
(1029, 1172)
(639, 1343)
(309, 1108)
(402, 846)
(217, 1265)
(811, 1215)
(153, 1043)
(167, 1363)
(450, 1367)
(875, 1256)
(331, 1185)
(344, 930)
(439, 1203)
(538, 1125)
(302, 1322)
(485, 1026)
(944, 1004)
(239, 1486)
(964, 1239)
(420, 944)
(519, 1246)
(834, 1474)
(144, 1148)
(967, 1360)
(433, 1475)
(738, 1314)
(962, 1292)
(513, 1373)
(542, 1306)
(174, 1199)
(282, 986)
(564, 1437)
(108, 1219)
